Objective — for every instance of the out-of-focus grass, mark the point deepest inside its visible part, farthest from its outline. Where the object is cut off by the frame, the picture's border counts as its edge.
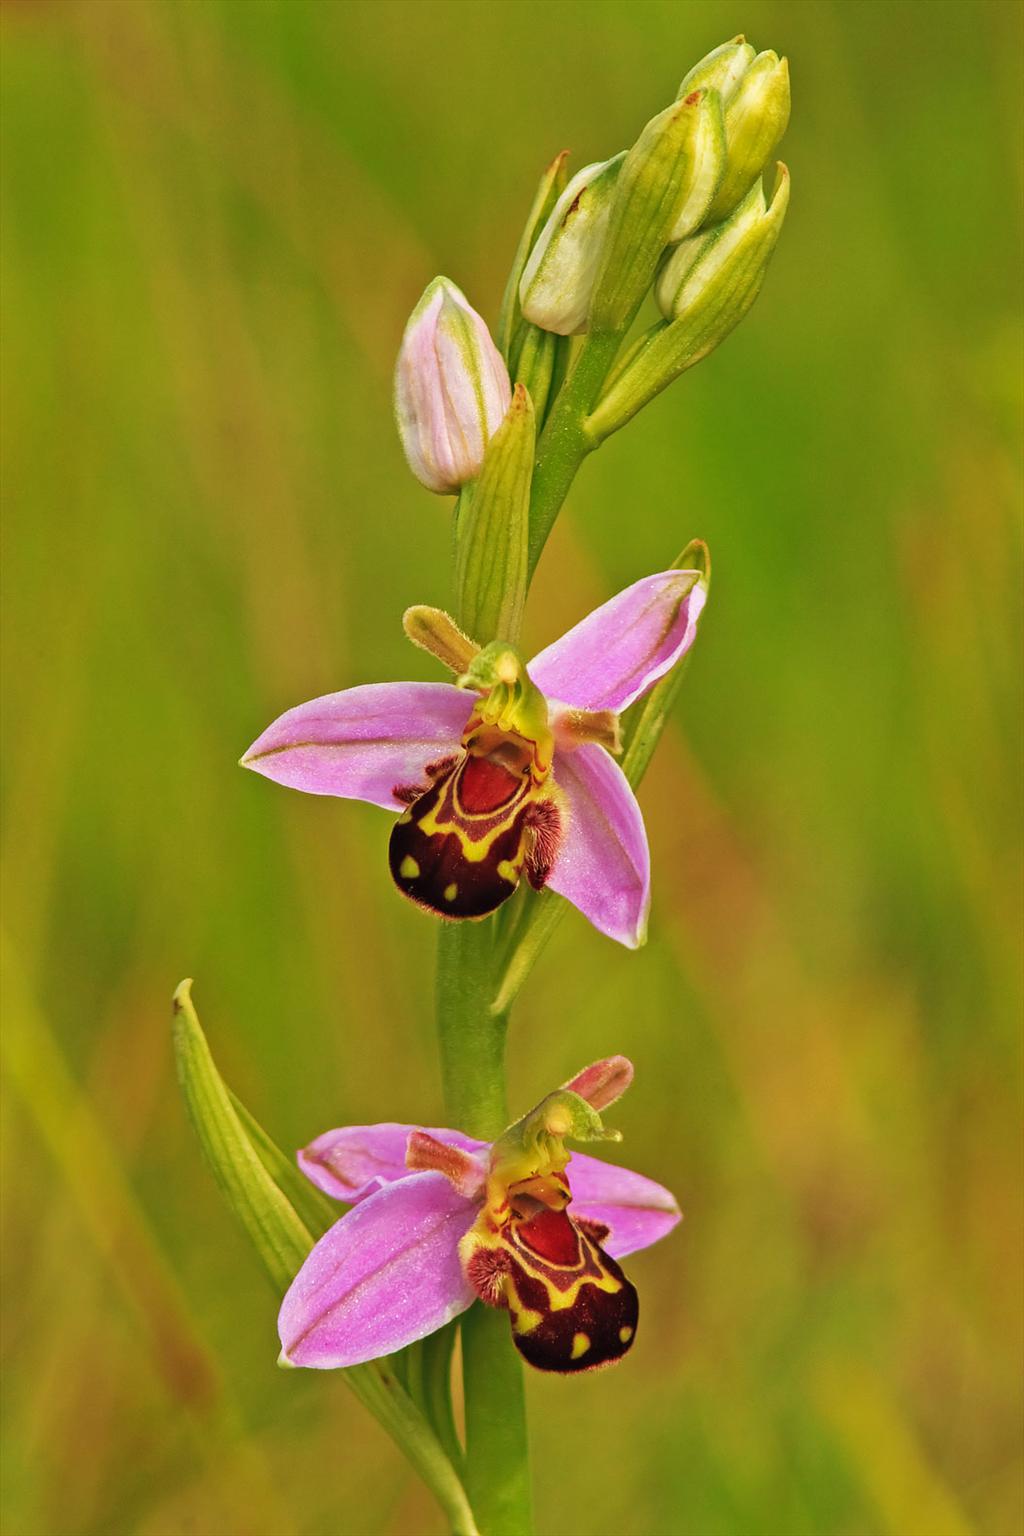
(217, 216)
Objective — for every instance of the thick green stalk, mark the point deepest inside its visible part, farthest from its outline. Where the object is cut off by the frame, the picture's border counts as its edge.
(471, 1034)
(472, 1043)
(471, 1038)
(565, 443)
(497, 1475)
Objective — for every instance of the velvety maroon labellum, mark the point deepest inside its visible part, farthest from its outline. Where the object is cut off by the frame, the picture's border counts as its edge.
(463, 844)
(572, 1309)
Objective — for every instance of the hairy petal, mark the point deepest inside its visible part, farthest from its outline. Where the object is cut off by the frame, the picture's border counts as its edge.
(385, 1275)
(621, 649)
(603, 865)
(363, 743)
(636, 1210)
(603, 1081)
(357, 1160)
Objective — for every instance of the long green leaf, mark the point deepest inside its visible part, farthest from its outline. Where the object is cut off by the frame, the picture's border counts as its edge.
(251, 1170)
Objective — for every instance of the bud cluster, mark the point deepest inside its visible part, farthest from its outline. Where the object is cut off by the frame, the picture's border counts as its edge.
(681, 215)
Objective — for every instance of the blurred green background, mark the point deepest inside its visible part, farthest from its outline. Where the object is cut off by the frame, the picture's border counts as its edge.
(217, 217)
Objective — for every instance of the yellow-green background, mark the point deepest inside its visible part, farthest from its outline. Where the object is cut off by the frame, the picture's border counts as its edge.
(217, 217)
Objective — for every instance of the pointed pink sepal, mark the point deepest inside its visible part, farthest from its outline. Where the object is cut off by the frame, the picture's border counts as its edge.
(621, 649)
(636, 1210)
(388, 1273)
(365, 742)
(604, 864)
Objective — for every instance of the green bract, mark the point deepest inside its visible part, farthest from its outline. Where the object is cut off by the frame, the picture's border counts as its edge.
(493, 529)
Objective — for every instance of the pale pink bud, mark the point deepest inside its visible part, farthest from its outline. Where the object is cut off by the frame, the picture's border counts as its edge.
(451, 389)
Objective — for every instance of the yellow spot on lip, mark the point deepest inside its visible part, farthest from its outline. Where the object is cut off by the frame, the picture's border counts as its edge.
(580, 1345)
(451, 891)
(507, 872)
(524, 1319)
(625, 1334)
(408, 869)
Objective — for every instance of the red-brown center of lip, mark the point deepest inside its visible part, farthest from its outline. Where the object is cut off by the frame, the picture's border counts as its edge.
(552, 1235)
(485, 785)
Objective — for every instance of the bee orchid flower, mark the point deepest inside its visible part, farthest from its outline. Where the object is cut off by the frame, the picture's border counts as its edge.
(510, 771)
(439, 1220)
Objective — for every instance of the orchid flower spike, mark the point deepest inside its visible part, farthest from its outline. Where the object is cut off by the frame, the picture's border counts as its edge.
(439, 1220)
(509, 772)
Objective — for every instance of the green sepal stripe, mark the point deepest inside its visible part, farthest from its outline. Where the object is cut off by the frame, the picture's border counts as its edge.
(548, 192)
(492, 537)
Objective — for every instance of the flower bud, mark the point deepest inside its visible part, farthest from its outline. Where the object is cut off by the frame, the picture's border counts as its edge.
(756, 115)
(452, 389)
(558, 279)
(741, 243)
(720, 70)
(654, 187)
(706, 167)
(706, 286)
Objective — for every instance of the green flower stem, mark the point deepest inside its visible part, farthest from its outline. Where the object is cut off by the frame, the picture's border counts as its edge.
(471, 1037)
(566, 441)
(497, 1473)
(472, 1043)
(472, 1029)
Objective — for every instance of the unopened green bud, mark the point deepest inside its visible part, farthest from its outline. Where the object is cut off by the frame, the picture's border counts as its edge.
(720, 70)
(707, 166)
(654, 186)
(558, 280)
(693, 268)
(706, 287)
(756, 115)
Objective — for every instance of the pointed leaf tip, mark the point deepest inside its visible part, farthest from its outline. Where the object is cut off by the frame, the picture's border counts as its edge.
(280, 1237)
